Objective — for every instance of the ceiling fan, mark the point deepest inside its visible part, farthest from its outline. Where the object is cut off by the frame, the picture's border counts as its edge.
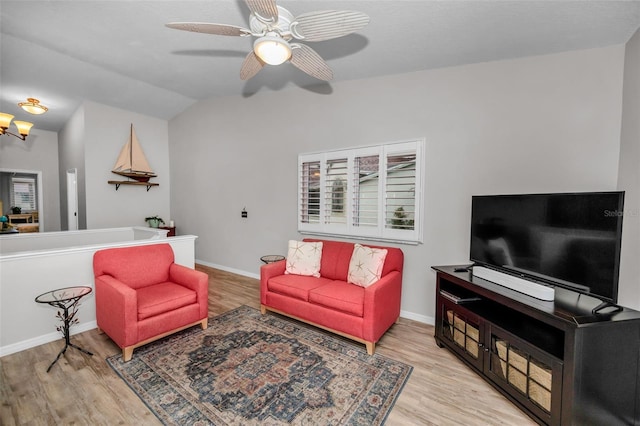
(275, 27)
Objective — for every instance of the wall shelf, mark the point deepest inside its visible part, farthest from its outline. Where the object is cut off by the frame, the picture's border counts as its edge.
(117, 183)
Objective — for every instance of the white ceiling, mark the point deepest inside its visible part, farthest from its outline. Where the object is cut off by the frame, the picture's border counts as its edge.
(119, 53)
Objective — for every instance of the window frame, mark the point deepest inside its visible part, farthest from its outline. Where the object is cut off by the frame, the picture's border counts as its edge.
(382, 230)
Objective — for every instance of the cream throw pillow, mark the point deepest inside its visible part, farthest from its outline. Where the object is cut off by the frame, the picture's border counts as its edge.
(365, 267)
(303, 258)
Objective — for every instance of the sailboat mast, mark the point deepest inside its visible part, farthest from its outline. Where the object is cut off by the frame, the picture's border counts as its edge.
(131, 148)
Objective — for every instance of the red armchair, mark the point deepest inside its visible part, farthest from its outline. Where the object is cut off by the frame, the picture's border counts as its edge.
(142, 295)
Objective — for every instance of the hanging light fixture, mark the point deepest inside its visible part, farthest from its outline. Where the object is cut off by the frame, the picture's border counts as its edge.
(23, 126)
(272, 49)
(32, 106)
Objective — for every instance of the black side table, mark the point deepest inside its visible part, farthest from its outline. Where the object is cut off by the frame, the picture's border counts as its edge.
(66, 299)
(270, 258)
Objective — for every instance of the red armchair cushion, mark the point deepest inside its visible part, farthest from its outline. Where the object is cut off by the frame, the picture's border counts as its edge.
(297, 286)
(138, 266)
(340, 296)
(335, 259)
(164, 297)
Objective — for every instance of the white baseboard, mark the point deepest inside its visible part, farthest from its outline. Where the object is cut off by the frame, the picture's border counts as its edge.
(417, 317)
(227, 269)
(45, 338)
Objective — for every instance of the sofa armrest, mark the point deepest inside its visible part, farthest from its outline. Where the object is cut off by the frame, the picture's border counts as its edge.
(382, 305)
(117, 310)
(267, 272)
(195, 280)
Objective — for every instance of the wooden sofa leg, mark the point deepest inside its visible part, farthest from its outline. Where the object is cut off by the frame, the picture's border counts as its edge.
(127, 353)
(371, 347)
(204, 323)
(263, 310)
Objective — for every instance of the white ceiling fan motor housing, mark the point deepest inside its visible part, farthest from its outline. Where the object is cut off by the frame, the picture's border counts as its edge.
(281, 26)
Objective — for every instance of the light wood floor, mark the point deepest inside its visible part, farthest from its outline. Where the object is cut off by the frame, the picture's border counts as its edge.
(84, 390)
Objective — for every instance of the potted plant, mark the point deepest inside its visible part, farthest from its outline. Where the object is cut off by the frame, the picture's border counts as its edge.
(154, 221)
(16, 210)
(400, 220)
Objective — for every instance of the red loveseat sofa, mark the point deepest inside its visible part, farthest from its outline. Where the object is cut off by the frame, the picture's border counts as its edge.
(142, 295)
(363, 314)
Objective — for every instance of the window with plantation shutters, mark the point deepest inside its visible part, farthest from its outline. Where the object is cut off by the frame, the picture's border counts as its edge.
(371, 192)
(23, 194)
(309, 192)
(400, 191)
(335, 191)
(366, 183)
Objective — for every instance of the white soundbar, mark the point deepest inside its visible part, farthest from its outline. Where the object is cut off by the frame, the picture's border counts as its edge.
(539, 291)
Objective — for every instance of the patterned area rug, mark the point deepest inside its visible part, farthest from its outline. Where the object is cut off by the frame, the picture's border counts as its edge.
(253, 369)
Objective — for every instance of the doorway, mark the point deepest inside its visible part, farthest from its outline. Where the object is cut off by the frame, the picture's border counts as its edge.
(72, 199)
(23, 189)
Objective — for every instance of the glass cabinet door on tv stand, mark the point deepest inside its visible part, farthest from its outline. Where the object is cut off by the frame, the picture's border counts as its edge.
(463, 330)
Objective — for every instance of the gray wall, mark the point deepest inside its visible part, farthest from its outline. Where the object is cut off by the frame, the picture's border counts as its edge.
(548, 123)
(90, 142)
(71, 156)
(629, 175)
(538, 124)
(106, 130)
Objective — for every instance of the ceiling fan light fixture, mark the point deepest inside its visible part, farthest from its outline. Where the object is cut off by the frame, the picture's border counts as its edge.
(272, 49)
(32, 106)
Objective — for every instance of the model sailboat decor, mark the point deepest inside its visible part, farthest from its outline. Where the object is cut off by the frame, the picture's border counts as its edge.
(133, 164)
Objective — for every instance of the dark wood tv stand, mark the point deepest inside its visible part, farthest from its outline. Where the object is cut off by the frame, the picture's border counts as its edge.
(558, 362)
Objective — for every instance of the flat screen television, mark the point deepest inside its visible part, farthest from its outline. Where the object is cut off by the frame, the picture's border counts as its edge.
(570, 240)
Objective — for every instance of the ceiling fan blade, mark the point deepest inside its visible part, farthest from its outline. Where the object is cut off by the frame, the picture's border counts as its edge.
(250, 66)
(307, 60)
(264, 10)
(209, 28)
(328, 24)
